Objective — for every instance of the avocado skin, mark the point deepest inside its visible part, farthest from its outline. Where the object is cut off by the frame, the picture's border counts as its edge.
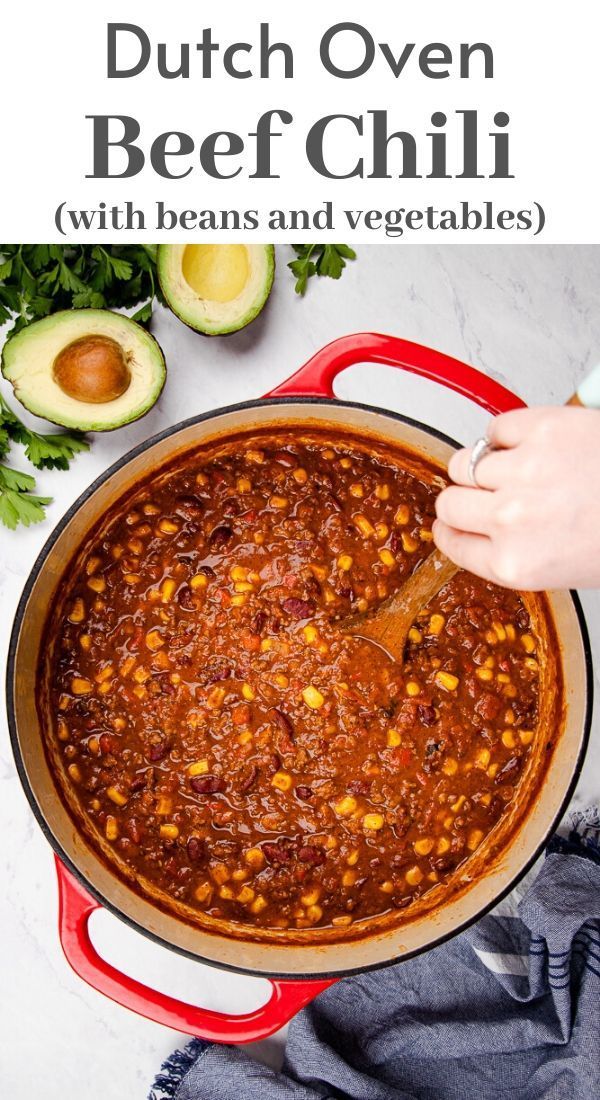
(227, 330)
(79, 317)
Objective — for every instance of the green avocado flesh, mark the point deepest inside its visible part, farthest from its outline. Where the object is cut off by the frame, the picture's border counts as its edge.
(216, 288)
(88, 369)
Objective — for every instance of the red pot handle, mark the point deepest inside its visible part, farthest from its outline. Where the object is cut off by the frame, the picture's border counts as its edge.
(75, 909)
(316, 377)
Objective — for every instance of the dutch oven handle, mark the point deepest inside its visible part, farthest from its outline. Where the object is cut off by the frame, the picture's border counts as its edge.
(75, 909)
(316, 377)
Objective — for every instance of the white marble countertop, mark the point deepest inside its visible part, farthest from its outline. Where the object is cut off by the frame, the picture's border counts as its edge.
(529, 316)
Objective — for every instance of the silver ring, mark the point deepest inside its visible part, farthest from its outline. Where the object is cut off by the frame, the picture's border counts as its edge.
(481, 448)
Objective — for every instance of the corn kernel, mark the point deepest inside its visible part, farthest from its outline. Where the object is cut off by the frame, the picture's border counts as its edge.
(281, 680)
(381, 531)
(310, 634)
(215, 698)
(482, 759)
(203, 893)
(455, 807)
(344, 562)
(387, 887)
(169, 832)
(423, 846)
(426, 534)
(345, 806)
(492, 771)
(531, 664)
(226, 893)
(97, 584)
(238, 600)
(111, 828)
(415, 636)
(442, 846)
(81, 686)
(255, 859)
(503, 678)
(436, 624)
(499, 630)
(168, 527)
(382, 491)
(116, 796)
(409, 544)
(248, 693)
(345, 463)
(414, 876)
(314, 913)
(474, 839)
(199, 767)
(246, 895)
(104, 674)
(363, 525)
(484, 674)
(278, 502)
(282, 781)
(528, 643)
(85, 642)
(393, 739)
(244, 485)
(353, 857)
(266, 645)
(62, 730)
(220, 873)
(508, 739)
(373, 821)
(348, 878)
(300, 475)
(342, 921)
(311, 897)
(154, 640)
(486, 799)
(312, 697)
(526, 736)
(164, 805)
(167, 589)
(387, 558)
(402, 515)
(74, 772)
(413, 688)
(356, 490)
(151, 509)
(245, 737)
(238, 573)
(511, 633)
(450, 766)
(198, 581)
(258, 905)
(447, 680)
(77, 613)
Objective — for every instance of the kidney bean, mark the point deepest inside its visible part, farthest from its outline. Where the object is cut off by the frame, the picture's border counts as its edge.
(250, 779)
(187, 600)
(207, 784)
(157, 750)
(283, 722)
(188, 505)
(259, 622)
(507, 770)
(310, 854)
(286, 458)
(277, 852)
(196, 849)
(106, 743)
(360, 786)
(488, 706)
(427, 715)
(219, 538)
(298, 609)
(304, 793)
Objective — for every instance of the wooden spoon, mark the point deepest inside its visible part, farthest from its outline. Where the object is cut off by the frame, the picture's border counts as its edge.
(388, 624)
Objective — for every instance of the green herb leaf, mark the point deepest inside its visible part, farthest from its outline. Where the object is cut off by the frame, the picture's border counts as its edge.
(39, 279)
(45, 452)
(319, 259)
(17, 503)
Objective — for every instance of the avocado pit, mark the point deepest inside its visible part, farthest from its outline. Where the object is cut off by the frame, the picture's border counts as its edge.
(92, 369)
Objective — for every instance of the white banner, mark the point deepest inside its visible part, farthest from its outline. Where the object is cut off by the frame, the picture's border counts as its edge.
(383, 122)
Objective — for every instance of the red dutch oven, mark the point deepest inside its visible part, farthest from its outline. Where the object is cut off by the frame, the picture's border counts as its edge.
(298, 971)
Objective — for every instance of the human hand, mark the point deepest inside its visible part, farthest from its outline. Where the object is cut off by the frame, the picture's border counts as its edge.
(534, 522)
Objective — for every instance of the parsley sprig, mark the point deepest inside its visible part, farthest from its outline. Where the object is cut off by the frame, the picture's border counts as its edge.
(18, 502)
(38, 279)
(319, 259)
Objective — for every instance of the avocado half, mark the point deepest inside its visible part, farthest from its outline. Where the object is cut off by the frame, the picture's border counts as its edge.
(89, 369)
(216, 288)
